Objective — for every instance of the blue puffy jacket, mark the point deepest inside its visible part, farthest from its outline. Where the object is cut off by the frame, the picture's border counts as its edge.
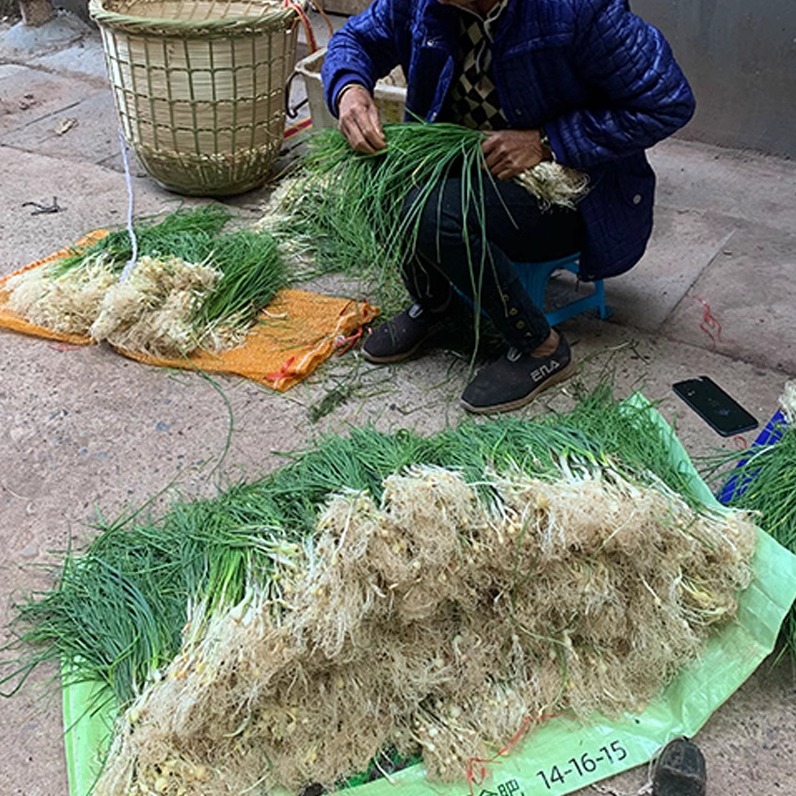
(601, 81)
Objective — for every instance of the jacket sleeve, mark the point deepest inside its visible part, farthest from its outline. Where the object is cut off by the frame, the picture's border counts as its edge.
(640, 93)
(364, 49)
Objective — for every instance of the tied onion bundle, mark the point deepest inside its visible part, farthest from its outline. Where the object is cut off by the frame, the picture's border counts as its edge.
(193, 285)
(392, 591)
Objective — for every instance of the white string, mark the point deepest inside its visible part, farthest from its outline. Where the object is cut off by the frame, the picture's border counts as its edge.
(133, 240)
(645, 790)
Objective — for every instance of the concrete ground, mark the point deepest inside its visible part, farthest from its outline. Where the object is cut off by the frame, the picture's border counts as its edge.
(86, 430)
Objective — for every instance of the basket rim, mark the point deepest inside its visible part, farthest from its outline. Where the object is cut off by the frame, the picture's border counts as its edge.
(309, 68)
(275, 13)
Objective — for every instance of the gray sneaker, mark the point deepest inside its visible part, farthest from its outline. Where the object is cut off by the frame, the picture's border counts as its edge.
(516, 379)
(400, 338)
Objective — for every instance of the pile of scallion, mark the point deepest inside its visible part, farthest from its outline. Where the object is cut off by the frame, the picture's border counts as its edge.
(351, 213)
(762, 479)
(193, 285)
(155, 568)
(235, 627)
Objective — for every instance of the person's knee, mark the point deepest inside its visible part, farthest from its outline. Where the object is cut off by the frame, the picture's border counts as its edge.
(439, 222)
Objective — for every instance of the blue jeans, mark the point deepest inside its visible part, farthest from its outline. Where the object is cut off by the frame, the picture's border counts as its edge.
(474, 250)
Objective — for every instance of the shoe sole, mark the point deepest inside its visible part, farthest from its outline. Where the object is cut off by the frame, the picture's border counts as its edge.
(557, 377)
(394, 357)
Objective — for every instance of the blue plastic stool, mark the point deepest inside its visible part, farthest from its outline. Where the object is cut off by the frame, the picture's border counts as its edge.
(535, 276)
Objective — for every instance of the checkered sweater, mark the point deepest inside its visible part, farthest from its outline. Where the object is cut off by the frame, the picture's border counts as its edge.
(473, 100)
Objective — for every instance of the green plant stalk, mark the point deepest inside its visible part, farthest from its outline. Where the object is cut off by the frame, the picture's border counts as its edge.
(765, 482)
(185, 233)
(120, 607)
(360, 213)
(252, 272)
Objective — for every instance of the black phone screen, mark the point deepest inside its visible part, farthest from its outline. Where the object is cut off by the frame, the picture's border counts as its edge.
(718, 409)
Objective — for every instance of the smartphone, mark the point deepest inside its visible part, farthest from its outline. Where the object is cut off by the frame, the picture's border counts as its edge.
(720, 411)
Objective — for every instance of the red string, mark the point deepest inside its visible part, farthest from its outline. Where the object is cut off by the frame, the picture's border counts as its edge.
(344, 344)
(64, 346)
(283, 373)
(296, 128)
(476, 777)
(312, 42)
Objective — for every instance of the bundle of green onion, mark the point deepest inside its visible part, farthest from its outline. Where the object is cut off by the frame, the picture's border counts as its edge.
(350, 212)
(422, 594)
(157, 568)
(192, 285)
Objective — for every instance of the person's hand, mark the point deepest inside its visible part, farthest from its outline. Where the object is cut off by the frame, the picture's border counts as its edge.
(359, 120)
(510, 152)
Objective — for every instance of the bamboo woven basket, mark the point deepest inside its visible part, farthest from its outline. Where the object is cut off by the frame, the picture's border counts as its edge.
(199, 86)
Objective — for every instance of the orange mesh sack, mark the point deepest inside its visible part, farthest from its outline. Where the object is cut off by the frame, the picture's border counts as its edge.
(296, 332)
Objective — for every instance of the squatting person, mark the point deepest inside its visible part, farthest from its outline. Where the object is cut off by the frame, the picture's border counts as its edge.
(585, 83)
